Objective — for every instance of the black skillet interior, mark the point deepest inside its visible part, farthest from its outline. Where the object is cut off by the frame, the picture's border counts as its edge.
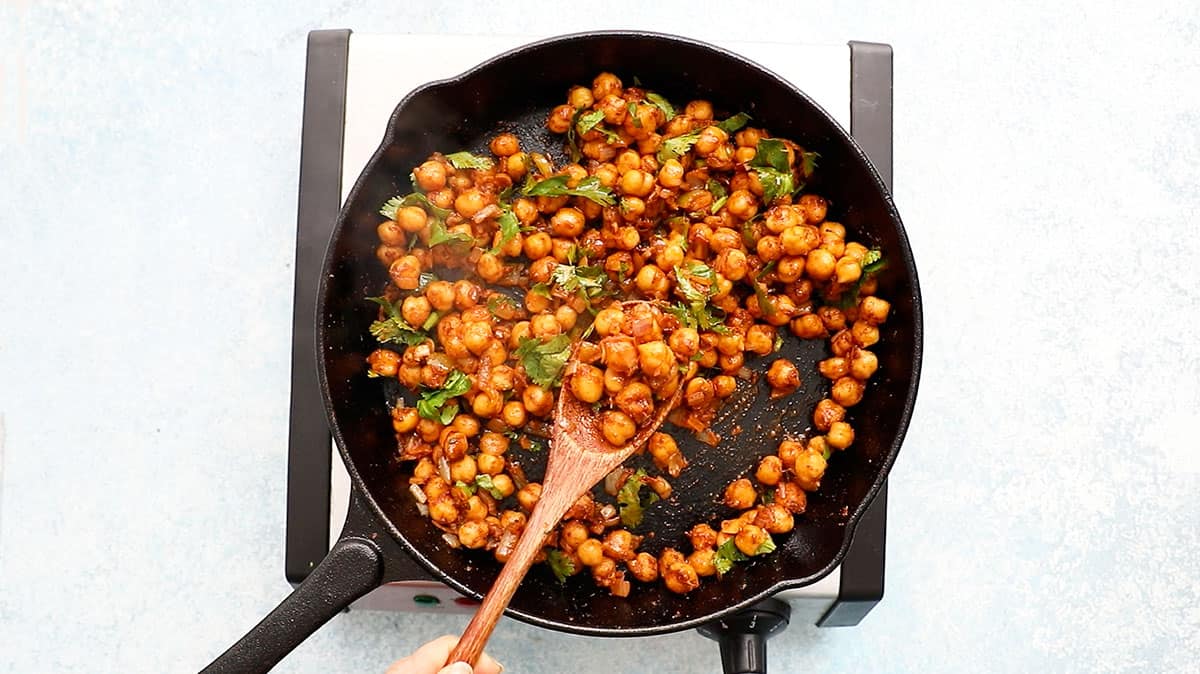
(514, 92)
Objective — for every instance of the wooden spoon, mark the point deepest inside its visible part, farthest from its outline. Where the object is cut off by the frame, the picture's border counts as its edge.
(579, 458)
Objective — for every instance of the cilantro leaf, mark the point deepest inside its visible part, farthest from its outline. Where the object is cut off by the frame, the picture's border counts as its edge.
(509, 227)
(502, 304)
(394, 328)
(436, 404)
(734, 123)
(720, 195)
(873, 262)
(661, 103)
(589, 188)
(632, 503)
(633, 114)
(767, 547)
(674, 148)
(727, 555)
(466, 160)
(697, 295)
(434, 317)
(415, 199)
(544, 361)
(808, 163)
(774, 171)
(560, 564)
(588, 280)
(588, 121)
(468, 489)
(484, 482)
(540, 289)
(438, 234)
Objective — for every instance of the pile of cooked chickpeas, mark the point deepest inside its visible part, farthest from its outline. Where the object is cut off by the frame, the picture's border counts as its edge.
(498, 264)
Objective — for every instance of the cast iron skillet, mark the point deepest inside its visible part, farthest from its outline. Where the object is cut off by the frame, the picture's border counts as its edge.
(514, 92)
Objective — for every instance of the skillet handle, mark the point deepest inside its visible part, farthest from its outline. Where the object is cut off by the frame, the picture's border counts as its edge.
(353, 567)
(743, 635)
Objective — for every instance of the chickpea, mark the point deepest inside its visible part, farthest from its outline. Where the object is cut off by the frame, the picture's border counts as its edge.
(740, 494)
(847, 391)
(864, 333)
(440, 295)
(685, 342)
(587, 383)
(655, 358)
(770, 470)
(391, 234)
(873, 310)
(406, 272)
(636, 400)
(698, 393)
(769, 249)
(750, 539)
(513, 414)
(670, 257)
(487, 403)
(671, 174)
(443, 198)
(504, 145)
(389, 254)
(863, 364)
(702, 562)
(724, 386)
(834, 368)
(466, 294)
(680, 578)
(608, 321)
(775, 519)
(637, 183)
(580, 98)
(841, 343)
(590, 552)
(813, 207)
(832, 318)
(840, 435)
(477, 336)
(529, 495)
(443, 509)
(469, 202)
(473, 534)
(731, 362)
(809, 469)
(538, 401)
(783, 376)
(789, 495)
(559, 120)
(826, 413)
(430, 176)
(820, 265)
(384, 362)
(699, 110)
(711, 137)
(742, 204)
(404, 419)
(544, 326)
(732, 264)
(808, 326)
(760, 339)
(644, 567)
(567, 222)
(503, 484)
(453, 444)
(848, 270)
(617, 427)
(621, 545)
(573, 534)
(490, 464)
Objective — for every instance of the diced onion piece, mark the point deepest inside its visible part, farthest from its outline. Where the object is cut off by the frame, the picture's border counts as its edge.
(452, 540)
(418, 493)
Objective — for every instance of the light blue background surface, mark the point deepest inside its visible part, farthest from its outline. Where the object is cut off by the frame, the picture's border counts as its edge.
(1044, 512)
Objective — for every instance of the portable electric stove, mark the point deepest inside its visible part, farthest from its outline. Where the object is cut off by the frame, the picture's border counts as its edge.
(352, 84)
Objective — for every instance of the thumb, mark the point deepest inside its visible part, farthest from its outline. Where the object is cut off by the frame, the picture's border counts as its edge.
(457, 668)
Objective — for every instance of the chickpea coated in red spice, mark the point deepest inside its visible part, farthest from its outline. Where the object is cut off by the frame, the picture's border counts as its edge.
(500, 265)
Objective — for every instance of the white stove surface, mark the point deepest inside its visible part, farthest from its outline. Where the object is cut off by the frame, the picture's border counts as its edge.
(381, 72)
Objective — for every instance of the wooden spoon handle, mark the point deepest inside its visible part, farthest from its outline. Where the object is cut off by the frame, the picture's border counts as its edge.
(542, 521)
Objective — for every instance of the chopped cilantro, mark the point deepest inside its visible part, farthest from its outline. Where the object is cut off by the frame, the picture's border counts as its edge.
(661, 103)
(394, 328)
(589, 281)
(774, 170)
(509, 227)
(633, 113)
(466, 160)
(808, 163)
(544, 361)
(632, 503)
(468, 489)
(484, 482)
(726, 555)
(873, 262)
(560, 564)
(415, 199)
(589, 188)
(734, 123)
(436, 404)
(767, 547)
(720, 195)
(674, 148)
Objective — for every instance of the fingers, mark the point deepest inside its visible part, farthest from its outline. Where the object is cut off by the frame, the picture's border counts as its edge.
(429, 659)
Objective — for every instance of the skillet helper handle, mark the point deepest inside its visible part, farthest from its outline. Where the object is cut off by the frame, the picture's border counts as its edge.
(743, 636)
(353, 567)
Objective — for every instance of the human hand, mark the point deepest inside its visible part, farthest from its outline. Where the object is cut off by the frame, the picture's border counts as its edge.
(428, 659)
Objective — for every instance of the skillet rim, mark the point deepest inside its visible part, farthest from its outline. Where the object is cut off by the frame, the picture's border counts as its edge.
(887, 460)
